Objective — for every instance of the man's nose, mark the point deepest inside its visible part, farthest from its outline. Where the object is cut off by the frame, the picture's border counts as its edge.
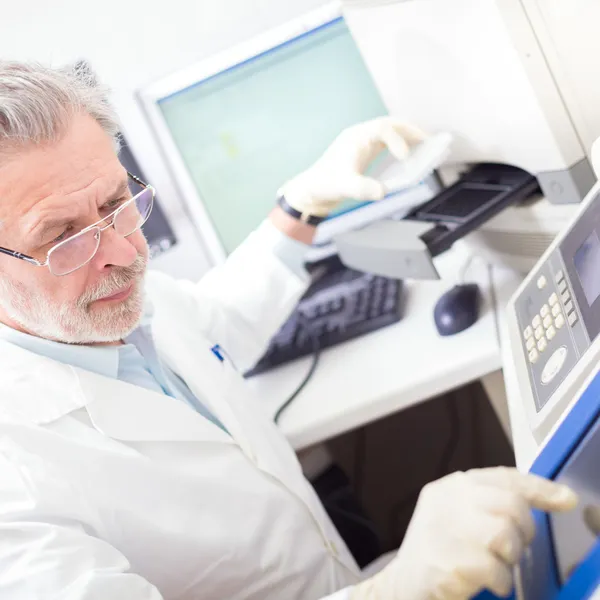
(114, 251)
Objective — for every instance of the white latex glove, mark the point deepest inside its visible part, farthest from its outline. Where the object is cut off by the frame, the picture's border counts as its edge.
(467, 532)
(338, 174)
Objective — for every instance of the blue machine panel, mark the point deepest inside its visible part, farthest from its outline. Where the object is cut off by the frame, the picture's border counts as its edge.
(563, 561)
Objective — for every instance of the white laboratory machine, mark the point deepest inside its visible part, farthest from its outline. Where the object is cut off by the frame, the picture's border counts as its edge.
(508, 79)
(553, 324)
(554, 320)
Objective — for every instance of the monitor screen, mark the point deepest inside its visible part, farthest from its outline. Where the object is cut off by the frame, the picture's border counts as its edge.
(587, 265)
(246, 130)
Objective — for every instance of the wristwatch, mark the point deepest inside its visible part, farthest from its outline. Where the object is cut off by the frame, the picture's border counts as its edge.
(304, 217)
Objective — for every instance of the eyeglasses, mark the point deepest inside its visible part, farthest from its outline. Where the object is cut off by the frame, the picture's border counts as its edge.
(75, 252)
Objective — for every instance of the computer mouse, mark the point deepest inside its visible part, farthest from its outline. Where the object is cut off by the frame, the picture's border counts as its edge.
(457, 309)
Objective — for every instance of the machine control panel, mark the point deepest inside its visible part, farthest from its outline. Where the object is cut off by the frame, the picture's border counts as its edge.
(558, 311)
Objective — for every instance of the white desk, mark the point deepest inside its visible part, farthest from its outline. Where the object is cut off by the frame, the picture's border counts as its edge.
(392, 369)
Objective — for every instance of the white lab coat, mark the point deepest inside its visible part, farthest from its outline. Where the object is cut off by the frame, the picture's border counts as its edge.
(112, 491)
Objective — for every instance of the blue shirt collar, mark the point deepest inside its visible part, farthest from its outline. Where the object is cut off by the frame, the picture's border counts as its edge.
(102, 360)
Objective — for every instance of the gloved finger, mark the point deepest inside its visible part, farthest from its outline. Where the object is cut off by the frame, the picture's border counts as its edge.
(476, 570)
(538, 492)
(394, 142)
(504, 503)
(411, 134)
(501, 536)
(361, 187)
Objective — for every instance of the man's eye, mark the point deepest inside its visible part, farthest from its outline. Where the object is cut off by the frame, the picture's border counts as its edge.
(63, 236)
(113, 204)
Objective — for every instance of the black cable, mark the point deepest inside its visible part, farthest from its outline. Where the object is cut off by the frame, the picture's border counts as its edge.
(315, 361)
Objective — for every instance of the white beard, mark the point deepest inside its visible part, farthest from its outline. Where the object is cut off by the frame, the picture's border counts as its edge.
(74, 323)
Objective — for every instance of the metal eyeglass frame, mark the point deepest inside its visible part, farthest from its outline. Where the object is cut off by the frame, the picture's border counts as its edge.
(111, 216)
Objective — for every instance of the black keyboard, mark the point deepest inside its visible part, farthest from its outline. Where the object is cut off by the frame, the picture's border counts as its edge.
(340, 305)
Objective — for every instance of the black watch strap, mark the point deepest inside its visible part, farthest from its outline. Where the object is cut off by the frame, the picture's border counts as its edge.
(305, 218)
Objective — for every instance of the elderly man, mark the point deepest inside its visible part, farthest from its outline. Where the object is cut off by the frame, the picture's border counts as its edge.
(134, 463)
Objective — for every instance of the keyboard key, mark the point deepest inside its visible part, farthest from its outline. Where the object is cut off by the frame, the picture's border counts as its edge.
(559, 276)
(553, 299)
(545, 311)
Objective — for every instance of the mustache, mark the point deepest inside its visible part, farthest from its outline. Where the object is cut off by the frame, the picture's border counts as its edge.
(119, 278)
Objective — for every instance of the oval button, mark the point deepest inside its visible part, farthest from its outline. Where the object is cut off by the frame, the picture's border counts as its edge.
(554, 365)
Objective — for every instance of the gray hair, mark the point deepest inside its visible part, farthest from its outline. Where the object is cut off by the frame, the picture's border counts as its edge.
(37, 102)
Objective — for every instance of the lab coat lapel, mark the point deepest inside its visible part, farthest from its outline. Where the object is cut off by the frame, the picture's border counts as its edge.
(131, 413)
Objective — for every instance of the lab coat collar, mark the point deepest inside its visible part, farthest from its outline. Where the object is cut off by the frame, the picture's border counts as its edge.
(36, 389)
(40, 390)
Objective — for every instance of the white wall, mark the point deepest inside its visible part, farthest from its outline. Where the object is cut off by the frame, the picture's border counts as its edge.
(131, 43)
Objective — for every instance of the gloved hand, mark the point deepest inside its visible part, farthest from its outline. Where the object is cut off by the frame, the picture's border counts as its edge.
(467, 531)
(338, 174)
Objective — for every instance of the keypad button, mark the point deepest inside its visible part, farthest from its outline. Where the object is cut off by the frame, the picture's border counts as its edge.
(569, 307)
(556, 310)
(530, 344)
(538, 333)
(541, 282)
(565, 296)
(528, 332)
(551, 333)
(553, 299)
(537, 321)
(559, 321)
(541, 345)
(533, 356)
(545, 311)
(562, 286)
(572, 318)
(547, 321)
(559, 276)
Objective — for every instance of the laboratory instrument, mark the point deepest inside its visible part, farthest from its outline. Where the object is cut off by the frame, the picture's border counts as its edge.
(563, 562)
(478, 69)
(510, 79)
(340, 305)
(405, 248)
(553, 321)
(457, 309)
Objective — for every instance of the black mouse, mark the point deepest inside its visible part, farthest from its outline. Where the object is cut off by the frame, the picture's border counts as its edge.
(457, 309)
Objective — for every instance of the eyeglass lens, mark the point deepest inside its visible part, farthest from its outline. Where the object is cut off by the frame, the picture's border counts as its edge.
(79, 250)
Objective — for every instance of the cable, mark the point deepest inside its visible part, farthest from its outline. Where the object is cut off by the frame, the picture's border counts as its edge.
(313, 366)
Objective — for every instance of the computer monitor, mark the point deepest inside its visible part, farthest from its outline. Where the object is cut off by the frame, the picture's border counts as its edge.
(236, 126)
